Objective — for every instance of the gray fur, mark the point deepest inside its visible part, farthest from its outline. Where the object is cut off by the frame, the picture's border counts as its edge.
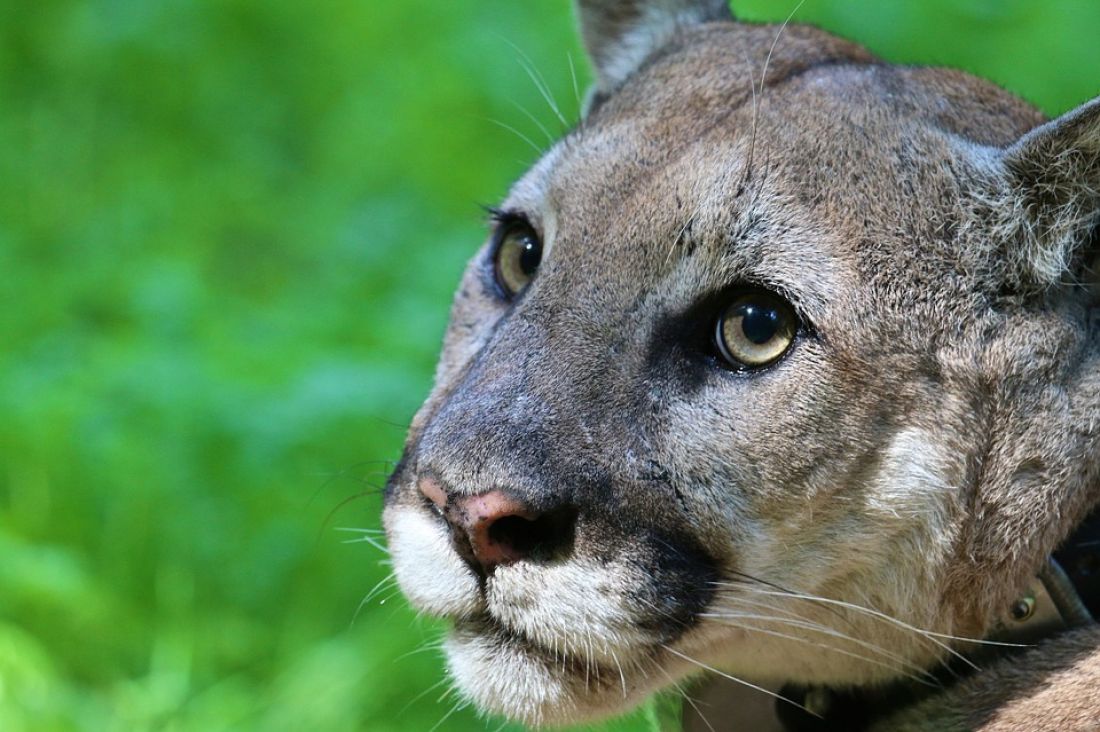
(929, 439)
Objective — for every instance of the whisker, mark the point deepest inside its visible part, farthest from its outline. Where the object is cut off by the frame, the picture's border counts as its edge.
(775, 42)
(458, 705)
(375, 491)
(368, 539)
(752, 132)
(573, 76)
(622, 676)
(680, 234)
(451, 689)
(384, 584)
(902, 662)
(539, 81)
(685, 696)
(437, 646)
(533, 118)
(517, 133)
(333, 475)
(873, 613)
(899, 667)
(422, 694)
(733, 678)
(763, 80)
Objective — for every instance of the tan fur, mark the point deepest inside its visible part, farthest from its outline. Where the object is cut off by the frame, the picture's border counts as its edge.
(928, 440)
(1052, 688)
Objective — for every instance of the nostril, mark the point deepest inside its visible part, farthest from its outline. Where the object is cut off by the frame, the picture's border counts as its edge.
(496, 528)
(543, 537)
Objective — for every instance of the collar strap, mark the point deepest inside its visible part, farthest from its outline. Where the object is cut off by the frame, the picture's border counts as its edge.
(1079, 556)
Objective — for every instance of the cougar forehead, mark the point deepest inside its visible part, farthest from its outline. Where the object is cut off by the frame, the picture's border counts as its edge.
(688, 492)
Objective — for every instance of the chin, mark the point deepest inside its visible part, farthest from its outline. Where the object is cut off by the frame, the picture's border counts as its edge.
(507, 675)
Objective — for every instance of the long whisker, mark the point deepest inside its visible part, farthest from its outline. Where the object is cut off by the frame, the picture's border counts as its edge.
(873, 613)
(622, 676)
(573, 76)
(802, 621)
(460, 704)
(680, 234)
(933, 683)
(775, 42)
(733, 678)
(517, 133)
(422, 694)
(384, 584)
(780, 588)
(437, 646)
(901, 662)
(763, 80)
(540, 83)
(331, 476)
(367, 539)
(685, 696)
(533, 118)
(752, 131)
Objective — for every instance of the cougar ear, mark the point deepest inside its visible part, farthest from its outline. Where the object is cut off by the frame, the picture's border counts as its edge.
(620, 34)
(1054, 189)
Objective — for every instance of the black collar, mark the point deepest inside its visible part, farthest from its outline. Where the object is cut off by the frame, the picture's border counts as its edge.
(1064, 595)
(1079, 556)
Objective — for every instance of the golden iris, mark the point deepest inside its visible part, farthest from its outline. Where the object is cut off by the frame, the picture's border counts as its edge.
(517, 258)
(756, 330)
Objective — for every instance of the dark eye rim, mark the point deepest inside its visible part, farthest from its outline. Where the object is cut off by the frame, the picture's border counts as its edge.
(730, 297)
(506, 224)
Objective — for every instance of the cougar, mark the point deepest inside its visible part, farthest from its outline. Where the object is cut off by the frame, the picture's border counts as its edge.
(783, 366)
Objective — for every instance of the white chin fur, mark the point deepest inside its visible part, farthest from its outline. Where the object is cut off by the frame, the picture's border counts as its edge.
(429, 571)
(502, 677)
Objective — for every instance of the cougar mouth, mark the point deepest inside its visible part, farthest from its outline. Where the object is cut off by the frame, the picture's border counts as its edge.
(570, 662)
(506, 672)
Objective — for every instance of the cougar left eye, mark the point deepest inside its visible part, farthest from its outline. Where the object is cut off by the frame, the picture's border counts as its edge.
(516, 258)
(756, 330)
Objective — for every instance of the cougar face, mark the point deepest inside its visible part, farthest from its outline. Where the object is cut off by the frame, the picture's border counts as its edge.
(776, 380)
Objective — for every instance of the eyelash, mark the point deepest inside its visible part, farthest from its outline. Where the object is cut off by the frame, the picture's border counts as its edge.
(500, 220)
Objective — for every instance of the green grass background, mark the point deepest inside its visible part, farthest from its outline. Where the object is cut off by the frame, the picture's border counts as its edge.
(229, 232)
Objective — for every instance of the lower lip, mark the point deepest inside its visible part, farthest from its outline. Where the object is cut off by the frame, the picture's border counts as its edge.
(579, 667)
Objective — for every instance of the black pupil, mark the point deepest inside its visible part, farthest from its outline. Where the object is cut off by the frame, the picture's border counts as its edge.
(759, 323)
(529, 256)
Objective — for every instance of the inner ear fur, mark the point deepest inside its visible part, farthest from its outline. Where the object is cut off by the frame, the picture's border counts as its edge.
(1049, 221)
(620, 35)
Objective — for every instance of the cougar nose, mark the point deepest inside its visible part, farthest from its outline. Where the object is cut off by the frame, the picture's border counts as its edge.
(495, 528)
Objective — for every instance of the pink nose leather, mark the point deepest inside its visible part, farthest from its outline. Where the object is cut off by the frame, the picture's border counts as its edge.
(475, 517)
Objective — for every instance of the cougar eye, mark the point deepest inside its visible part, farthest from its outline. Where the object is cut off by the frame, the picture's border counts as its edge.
(516, 257)
(755, 330)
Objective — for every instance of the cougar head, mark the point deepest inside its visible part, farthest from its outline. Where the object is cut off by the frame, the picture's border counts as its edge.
(781, 363)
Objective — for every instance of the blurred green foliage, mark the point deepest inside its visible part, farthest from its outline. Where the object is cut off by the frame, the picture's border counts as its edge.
(229, 230)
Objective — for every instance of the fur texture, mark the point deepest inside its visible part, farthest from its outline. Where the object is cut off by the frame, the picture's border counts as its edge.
(838, 517)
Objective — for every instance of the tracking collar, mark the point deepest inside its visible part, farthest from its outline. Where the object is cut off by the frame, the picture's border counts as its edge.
(1065, 594)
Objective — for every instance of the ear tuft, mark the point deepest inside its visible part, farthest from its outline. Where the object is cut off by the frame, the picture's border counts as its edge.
(621, 34)
(1054, 198)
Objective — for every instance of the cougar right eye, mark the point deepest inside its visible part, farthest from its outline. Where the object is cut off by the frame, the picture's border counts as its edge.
(756, 330)
(516, 257)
